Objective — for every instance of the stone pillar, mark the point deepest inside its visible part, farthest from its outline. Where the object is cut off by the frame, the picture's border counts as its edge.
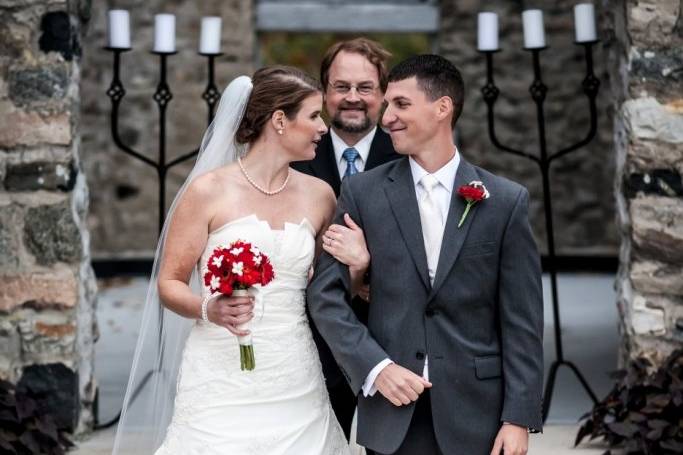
(581, 182)
(47, 288)
(646, 59)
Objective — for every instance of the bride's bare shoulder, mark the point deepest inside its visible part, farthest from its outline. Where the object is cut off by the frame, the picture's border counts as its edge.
(314, 186)
(213, 182)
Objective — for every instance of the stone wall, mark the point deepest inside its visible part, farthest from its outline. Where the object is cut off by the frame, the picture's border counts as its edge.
(646, 40)
(123, 215)
(581, 182)
(124, 195)
(47, 288)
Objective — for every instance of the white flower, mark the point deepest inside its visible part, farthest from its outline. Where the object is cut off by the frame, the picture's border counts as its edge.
(257, 260)
(255, 251)
(237, 268)
(215, 282)
(218, 261)
(236, 251)
(478, 184)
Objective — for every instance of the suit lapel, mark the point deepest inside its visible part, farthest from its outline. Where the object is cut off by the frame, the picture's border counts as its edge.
(400, 191)
(454, 236)
(324, 164)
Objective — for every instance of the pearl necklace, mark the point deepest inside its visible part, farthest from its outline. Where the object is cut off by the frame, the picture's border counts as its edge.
(257, 186)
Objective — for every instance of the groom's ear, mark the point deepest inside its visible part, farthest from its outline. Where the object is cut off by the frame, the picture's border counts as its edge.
(444, 108)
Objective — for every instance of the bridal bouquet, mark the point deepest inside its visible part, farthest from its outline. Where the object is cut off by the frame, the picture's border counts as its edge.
(232, 271)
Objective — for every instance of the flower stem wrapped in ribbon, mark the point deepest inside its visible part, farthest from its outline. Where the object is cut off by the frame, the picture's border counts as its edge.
(473, 192)
(232, 271)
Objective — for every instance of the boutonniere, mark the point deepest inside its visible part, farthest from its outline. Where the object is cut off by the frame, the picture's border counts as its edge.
(473, 192)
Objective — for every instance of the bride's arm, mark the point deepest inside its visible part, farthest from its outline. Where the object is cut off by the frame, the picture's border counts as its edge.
(346, 244)
(328, 202)
(185, 241)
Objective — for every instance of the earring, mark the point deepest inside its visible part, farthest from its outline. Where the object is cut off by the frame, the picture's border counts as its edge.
(280, 132)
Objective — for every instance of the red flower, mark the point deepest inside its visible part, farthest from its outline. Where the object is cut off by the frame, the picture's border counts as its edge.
(250, 277)
(238, 266)
(225, 287)
(267, 273)
(471, 193)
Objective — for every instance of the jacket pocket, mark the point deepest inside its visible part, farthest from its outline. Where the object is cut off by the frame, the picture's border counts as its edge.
(489, 366)
(478, 249)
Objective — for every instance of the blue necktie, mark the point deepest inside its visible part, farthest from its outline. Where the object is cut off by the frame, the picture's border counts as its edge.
(350, 155)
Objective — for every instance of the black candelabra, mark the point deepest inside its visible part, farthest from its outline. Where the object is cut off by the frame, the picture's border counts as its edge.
(538, 91)
(162, 96)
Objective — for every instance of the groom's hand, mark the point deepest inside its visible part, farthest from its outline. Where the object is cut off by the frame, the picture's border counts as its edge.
(511, 440)
(400, 385)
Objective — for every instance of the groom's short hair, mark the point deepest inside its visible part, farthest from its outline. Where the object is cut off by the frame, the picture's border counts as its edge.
(436, 76)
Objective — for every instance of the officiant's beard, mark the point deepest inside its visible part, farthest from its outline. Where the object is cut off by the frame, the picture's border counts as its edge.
(351, 127)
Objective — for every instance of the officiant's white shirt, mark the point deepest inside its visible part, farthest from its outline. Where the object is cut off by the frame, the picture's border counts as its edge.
(442, 194)
(362, 147)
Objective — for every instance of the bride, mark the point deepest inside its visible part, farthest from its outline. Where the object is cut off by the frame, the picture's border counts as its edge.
(187, 394)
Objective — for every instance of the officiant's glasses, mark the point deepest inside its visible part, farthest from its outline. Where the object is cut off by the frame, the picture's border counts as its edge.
(363, 89)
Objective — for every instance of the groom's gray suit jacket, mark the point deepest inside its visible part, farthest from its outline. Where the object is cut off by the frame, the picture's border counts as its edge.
(480, 323)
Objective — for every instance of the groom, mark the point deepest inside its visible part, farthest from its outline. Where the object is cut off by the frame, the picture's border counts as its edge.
(450, 361)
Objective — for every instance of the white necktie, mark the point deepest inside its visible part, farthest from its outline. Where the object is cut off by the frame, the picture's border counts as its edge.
(432, 223)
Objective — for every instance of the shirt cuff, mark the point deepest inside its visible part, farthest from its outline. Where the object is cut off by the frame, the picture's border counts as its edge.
(529, 430)
(369, 388)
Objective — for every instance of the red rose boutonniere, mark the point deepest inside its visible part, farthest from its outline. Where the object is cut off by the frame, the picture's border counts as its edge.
(473, 192)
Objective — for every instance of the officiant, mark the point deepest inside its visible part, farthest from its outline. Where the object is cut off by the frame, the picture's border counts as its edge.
(354, 77)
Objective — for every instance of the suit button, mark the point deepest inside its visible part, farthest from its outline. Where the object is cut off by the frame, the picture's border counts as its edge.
(419, 355)
(430, 312)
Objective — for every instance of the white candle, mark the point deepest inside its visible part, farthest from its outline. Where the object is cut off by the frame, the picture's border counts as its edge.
(210, 38)
(164, 33)
(118, 25)
(584, 22)
(534, 35)
(487, 32)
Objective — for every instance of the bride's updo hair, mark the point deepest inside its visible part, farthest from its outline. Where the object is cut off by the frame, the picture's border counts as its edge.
(274, 88)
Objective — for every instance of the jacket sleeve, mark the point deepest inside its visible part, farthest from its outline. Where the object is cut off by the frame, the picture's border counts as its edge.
(329, 303)
(521, 319)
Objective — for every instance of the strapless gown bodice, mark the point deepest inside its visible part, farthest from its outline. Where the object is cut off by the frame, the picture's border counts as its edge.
(291, 252)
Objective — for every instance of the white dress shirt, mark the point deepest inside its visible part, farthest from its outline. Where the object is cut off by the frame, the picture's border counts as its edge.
(362, 147)
(442, 194)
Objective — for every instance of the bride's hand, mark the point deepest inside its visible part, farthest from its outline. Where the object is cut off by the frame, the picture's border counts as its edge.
(230, 312)
(347, 244)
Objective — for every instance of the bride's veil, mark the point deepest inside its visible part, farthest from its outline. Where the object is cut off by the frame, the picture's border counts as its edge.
(148, 402)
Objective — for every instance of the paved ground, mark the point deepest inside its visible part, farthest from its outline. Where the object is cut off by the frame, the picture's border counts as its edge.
(589, 321)
(555, 440)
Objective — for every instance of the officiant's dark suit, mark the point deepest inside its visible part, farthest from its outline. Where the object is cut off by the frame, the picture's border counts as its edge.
(353, 74)
(324, 166)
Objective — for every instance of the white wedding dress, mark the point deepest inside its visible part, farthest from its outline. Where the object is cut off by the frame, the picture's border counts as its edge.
(282, 406)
